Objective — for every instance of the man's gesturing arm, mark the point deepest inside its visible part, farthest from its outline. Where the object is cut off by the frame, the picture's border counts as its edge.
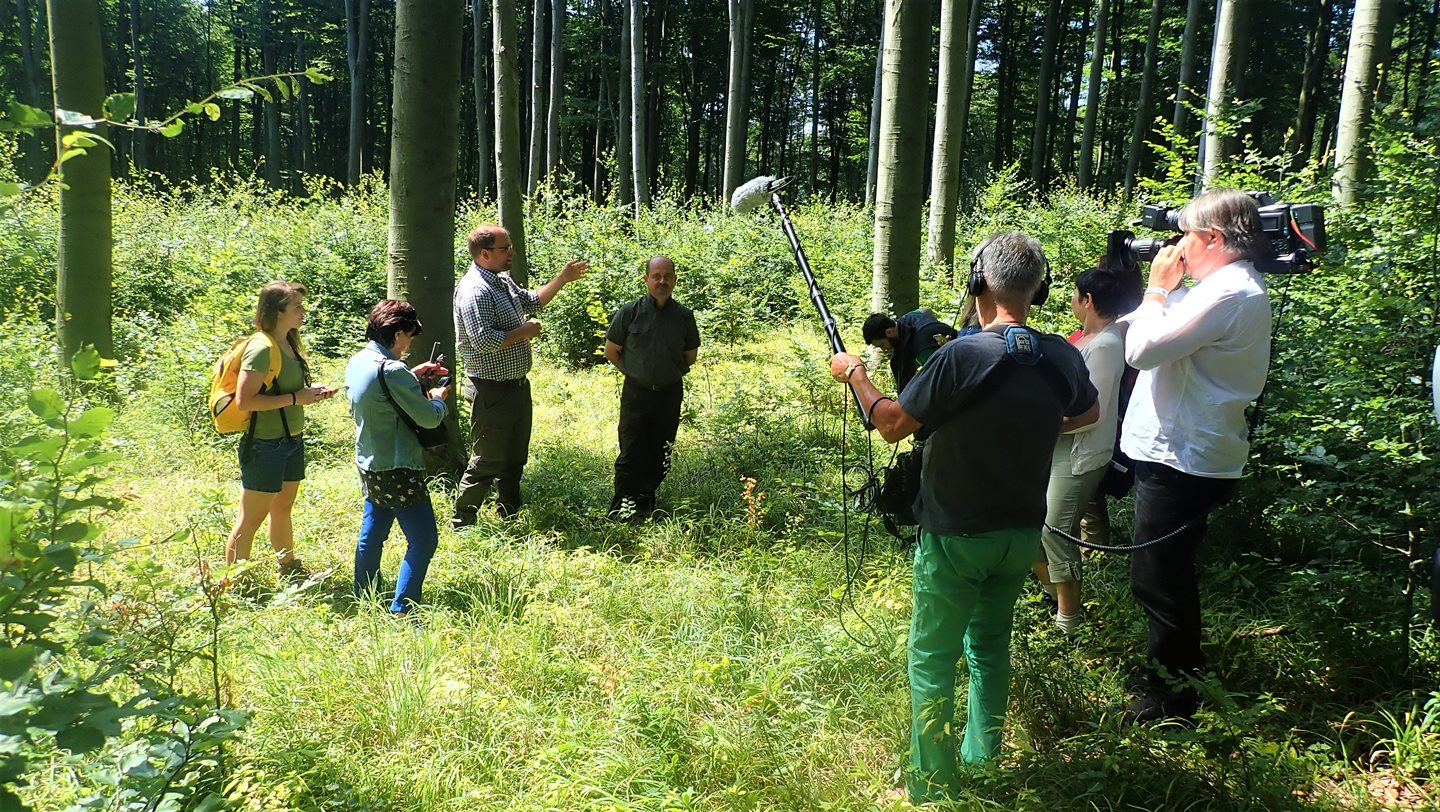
(885, 414)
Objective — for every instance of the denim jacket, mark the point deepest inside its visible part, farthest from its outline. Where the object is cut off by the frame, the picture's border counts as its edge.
(382, 442)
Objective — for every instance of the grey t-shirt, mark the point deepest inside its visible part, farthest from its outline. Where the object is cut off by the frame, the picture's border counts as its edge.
(995, 422)
(655, 340)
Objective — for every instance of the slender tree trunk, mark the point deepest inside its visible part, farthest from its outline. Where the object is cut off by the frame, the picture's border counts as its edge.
(1369, 49)
(1039, 140)
(1427, 66)
(480, 83)
(302, 117)
(737, 125)
(1317, 49)
(424, 152)
(872, 163)
(269, 64)
(602, 114)
(1092, 97)
(1223, 70)
(28, 62)
(1188, 45)
(557, 87)
(624, 188)
(638, 131)
(83, 270)
(899, 186)
(945, 166)
(357, 52)
(816, 25)
(1073, 109)
(237, 56)
(139, 154)
(1142, 107)
(537, 98)
(967, 85)
(509, 179)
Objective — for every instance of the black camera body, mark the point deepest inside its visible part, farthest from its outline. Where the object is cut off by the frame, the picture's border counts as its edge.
(1295, 231)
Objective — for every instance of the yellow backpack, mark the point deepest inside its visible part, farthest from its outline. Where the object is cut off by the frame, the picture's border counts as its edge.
(225, 380)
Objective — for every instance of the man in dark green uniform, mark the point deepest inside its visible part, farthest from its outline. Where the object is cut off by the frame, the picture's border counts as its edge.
(653, 341)
(910, 340)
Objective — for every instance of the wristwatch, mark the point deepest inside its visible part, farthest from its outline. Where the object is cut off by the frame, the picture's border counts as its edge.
(850, 370)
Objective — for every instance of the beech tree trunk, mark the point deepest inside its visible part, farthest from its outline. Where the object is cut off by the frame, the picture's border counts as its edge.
(737, 125)
(1369, 49)
(899, 188)
(1223, 71)
(139, 154)
(269, 64)
(357, 53)
(1039, 140)
(1142, 106)
(509, 179)
(967, 84)
(481, 84)
(1184, 94)
(537, 98)
(624, 187)
(1092, 97)
(872, 163)
(1317, 49)
(83, 260)
(946, 161)
(29, 63)
(637, 104)
(557, 87)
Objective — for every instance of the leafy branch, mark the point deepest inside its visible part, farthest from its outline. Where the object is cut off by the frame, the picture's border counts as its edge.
(118, 111)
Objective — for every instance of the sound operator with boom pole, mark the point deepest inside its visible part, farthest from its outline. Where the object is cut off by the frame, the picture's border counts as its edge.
(995, 401)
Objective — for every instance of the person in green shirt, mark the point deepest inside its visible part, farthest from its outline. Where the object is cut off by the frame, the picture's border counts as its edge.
(272, 452)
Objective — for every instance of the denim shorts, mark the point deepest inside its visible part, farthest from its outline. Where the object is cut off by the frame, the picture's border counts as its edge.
(266, 465)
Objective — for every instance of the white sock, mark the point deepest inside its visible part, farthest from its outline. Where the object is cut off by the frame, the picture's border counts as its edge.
(1068, 624)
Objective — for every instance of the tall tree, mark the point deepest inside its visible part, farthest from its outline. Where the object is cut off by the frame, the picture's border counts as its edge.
(1092, 96)
(967, 86)
(537, 98)
(83, 269)
(509, 179)
(945, 165)
(638, 132)
(1369, 49)
(737, 125)
(557, 87)
(624, 187)
(899, 187)
(140, 154)
(872, 161)
(480, 82)
(1224, 67)
(357, 50)
(1188, 48)
(270, 64)
(1142, 106)
(1317, 49)
(1039, 141)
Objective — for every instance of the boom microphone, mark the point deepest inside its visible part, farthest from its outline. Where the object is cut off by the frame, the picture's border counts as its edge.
(756, 193)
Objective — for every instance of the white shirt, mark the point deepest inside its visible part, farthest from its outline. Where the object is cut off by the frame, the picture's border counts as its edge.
(1203, 358)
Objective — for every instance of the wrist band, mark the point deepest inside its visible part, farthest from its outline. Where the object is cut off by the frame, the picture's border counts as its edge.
(1158, 290)
(850, 370)
(294, 398)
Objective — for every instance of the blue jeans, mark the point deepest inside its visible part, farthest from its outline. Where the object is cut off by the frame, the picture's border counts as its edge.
(418, 523)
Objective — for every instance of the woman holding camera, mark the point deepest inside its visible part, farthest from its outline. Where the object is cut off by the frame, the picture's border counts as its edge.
(386, 398)
(272, 452)
(1102, 294)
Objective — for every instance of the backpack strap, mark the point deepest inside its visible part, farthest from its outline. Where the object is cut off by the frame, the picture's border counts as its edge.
(272, 381)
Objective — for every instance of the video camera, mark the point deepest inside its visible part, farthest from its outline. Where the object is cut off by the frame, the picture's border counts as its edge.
(1296, 233)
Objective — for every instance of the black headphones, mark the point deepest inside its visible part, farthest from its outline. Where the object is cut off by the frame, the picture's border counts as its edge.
(975, 285)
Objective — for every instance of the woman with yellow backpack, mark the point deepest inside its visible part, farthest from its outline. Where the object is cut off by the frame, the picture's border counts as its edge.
(272, 389)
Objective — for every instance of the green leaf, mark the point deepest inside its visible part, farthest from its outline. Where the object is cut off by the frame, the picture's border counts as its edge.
(172, 129)
(194, 108)
(92, 423)
(264, 94)
(15, 661)
(120, 106)
(317, 75)
(8, 189)
(212, 110)
(86, 363)
(23, 115)
(71, 152)
(235, 93)
(7, 534)
(40, 447)
(46, 404)
(79, 738)
(80, 463)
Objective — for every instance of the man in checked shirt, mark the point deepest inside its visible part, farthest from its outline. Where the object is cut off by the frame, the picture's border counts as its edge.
(493, 331)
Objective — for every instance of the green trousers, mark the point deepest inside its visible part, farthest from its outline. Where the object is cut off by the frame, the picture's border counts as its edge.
(964, 603)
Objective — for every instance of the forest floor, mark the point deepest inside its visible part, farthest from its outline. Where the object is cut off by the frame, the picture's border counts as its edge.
(742, 652)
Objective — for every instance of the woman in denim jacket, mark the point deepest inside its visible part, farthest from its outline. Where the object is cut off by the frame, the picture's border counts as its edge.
(387, 452)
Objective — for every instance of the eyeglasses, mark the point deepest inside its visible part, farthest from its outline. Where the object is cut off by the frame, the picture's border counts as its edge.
(506, 247)
(419, 328)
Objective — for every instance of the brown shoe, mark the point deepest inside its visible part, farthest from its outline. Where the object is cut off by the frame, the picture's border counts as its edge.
(294, 572)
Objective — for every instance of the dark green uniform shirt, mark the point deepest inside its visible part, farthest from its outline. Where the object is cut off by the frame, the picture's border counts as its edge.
(655, 340)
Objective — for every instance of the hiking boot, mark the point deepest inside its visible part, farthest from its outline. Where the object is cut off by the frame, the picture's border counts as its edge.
(294, 572)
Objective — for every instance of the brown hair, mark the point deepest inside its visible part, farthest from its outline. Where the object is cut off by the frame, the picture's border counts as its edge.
(275, 298)
(484, 237)
(390, 317)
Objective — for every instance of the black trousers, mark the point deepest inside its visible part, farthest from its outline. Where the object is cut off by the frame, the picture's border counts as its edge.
(649, 419)
(1163, 577)
(500, 415)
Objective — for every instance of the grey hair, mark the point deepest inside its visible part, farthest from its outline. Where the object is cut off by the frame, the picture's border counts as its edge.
(1013, 263)
(1234, 214)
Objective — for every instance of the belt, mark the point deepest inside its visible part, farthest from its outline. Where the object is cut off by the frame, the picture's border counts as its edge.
(511, 382)
(652, 387)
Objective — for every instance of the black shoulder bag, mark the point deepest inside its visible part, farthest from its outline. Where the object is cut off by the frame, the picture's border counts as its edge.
(429, 438)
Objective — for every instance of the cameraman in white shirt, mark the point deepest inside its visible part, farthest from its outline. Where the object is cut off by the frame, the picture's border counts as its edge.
(1203, 354)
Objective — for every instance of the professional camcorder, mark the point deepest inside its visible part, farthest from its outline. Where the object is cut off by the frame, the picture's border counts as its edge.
(1296, 233)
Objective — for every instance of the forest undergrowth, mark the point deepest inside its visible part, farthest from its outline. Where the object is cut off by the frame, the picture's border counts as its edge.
(746, 651)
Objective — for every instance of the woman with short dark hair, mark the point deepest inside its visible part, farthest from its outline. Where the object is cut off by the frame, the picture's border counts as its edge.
(388, 455)
(272, 451)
